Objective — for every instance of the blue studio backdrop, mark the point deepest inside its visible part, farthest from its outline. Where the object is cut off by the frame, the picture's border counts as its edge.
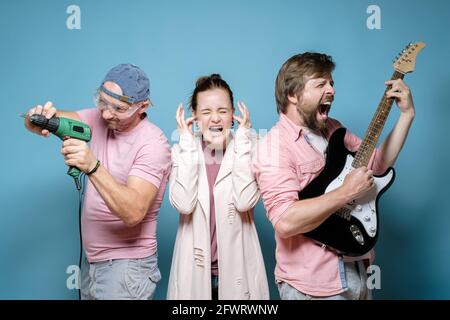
(60, 51)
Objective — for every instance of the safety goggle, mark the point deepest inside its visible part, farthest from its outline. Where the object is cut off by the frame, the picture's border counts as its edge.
(120, 110)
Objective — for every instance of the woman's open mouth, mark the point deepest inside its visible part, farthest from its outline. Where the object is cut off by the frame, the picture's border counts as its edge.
(216, 129)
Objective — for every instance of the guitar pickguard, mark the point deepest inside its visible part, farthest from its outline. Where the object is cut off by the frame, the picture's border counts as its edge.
(364, 209)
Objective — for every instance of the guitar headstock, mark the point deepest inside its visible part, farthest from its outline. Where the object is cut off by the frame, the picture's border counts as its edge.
(406, 60)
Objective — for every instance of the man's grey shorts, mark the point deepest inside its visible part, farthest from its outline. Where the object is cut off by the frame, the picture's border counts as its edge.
(120, 279)
(356, 277)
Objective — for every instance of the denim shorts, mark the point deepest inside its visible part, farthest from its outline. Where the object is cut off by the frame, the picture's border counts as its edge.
(121, 279)
(356, 278)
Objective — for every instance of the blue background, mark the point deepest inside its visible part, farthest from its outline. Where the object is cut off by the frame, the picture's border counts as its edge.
(246, 42)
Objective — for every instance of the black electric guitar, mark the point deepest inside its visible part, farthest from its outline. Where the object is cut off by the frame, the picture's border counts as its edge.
(353, 229)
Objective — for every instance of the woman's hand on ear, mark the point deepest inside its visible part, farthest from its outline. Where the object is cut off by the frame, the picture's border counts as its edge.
(243, 121)
(183, 125)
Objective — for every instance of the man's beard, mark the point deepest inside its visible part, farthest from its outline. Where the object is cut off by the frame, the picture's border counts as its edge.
(310, 120)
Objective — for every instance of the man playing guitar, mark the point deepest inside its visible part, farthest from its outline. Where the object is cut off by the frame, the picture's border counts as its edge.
(293, 154)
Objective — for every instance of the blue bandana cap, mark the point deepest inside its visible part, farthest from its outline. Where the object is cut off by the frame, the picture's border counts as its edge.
(131, 79)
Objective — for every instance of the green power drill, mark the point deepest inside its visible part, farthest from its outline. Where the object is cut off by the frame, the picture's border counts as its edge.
(64, 128)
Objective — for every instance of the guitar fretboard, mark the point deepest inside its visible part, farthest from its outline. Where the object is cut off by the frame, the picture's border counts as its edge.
(373, 133)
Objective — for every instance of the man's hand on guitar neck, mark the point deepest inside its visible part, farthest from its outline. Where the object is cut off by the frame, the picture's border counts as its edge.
(402, 95)
(392, 145)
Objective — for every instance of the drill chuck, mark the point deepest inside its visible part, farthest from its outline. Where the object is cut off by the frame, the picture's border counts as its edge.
(41, 121)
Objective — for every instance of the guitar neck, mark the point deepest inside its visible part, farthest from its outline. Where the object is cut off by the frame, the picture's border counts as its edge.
(373, 133)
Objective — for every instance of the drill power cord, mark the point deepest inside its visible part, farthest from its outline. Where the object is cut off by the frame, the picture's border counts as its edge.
(80, 182)
(77, 183)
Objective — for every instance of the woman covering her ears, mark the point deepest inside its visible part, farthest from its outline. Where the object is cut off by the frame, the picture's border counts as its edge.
(217, 253)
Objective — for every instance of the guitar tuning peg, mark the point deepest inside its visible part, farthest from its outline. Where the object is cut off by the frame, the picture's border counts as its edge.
(403, 51)
(410, 44)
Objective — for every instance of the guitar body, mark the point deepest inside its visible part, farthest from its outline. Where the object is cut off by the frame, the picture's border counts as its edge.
(353, 231)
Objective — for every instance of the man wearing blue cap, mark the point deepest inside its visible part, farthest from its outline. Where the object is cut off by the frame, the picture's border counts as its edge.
(128, 163)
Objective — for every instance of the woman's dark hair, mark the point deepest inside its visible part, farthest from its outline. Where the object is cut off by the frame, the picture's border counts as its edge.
(206, 83)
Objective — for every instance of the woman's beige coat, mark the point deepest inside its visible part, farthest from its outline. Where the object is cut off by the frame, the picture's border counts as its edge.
(242, 273)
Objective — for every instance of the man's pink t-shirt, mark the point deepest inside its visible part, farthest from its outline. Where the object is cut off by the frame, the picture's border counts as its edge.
(143, 152)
